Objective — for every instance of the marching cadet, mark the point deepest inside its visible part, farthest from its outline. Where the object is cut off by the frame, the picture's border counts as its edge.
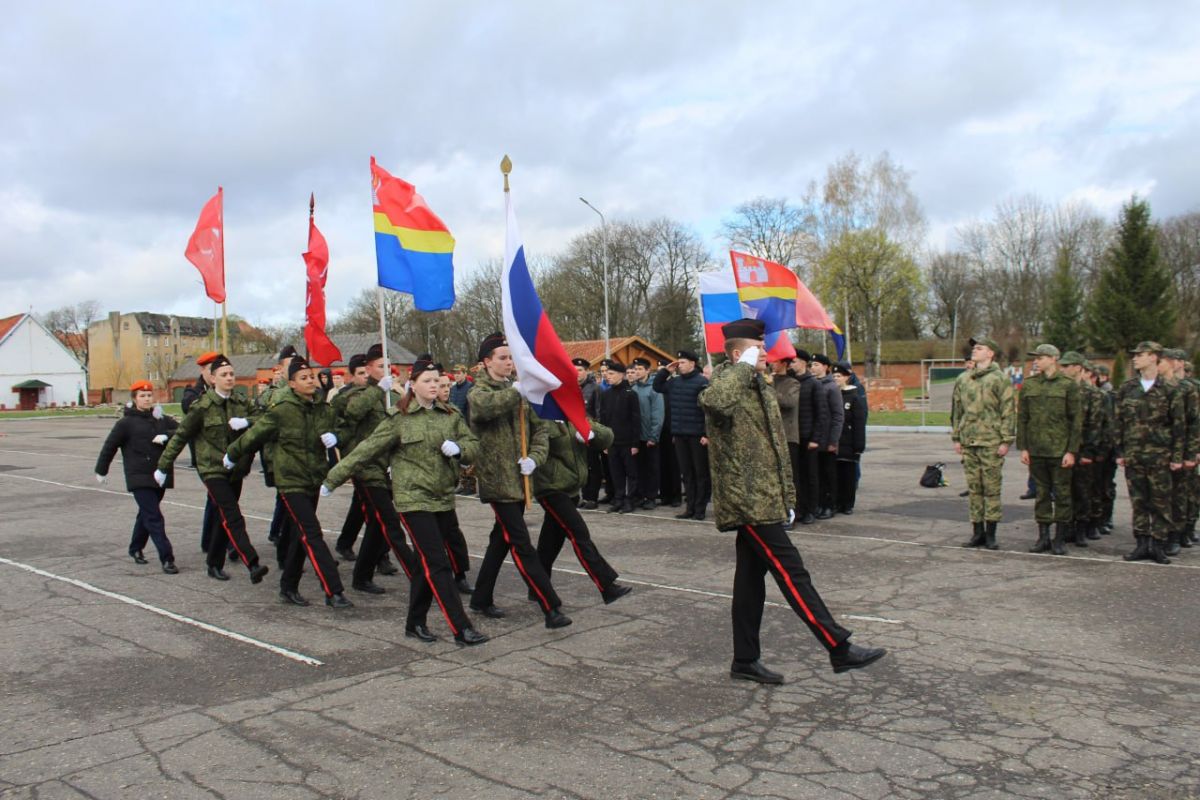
(501, 420)
(1171, 370)
(983, 426)
(423, 443)
(301, 425)
(210, 523)
(278, 383)
(213, 423)
(754, 496)
(853, 440)
(1091, 442)
(1049, 426)
(1150, 440)
(140, 435)
(455, 541)
(357, 369)
(556, 485)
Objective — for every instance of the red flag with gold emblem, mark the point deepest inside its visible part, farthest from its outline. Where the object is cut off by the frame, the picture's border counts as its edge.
(321, 350)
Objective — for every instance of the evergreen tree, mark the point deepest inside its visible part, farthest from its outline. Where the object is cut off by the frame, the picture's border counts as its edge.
(1132, 300)
(1064, 306)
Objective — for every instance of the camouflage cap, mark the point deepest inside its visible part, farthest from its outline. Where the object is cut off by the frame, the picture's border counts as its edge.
(1147, 347)
(986, 341)
(1045, 350)
(1089, 366)
(1176, 353)
(1071, 358)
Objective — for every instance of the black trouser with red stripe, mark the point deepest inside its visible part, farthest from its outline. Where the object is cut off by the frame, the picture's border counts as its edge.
(435, 579)
(224, 494)
(354, 522)
(384, 532)
(562, 522)
(305, 540)
(510, 533)
(456, 546)
(763, 548)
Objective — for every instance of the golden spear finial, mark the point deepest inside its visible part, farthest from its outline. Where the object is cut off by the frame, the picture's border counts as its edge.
(506, 167)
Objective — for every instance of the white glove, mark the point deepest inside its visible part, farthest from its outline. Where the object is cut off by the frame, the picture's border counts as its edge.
(385, 382)
(160, 439)
(239, 423)
(450, 449)
(527, 465)
(579, 436)
(750, 356)
(329, 440)
(517, 385)
(160, 477)
(325, 491)
(791, 515)
(157, 413)
(226, 462)
(101, 478)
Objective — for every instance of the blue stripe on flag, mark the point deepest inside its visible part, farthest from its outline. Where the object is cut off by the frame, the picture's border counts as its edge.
(428, 277)
(720, 307)
(526, 306)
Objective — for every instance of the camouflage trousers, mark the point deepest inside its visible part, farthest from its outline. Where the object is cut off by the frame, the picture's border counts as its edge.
(1149, 483)
(1193, 506)
(984, 469)
(1183, 499)
(1083, 489)
(1108, 482)
(1053, 483)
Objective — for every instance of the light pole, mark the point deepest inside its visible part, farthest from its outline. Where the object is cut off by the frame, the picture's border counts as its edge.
(604, 260)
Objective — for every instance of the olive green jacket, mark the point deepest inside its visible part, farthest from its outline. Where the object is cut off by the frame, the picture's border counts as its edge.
(751, 468)
(359, 412)
(294, 425)
(1050, 420)
(566, 468)
(207, 425)
(982, 412)
(423, 478)
(496, 411)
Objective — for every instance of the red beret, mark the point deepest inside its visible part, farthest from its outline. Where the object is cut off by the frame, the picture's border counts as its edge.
(142, 386)
(341, 372)
(207, 358)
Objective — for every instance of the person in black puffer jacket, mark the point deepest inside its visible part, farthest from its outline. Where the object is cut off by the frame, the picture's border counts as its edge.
(853, 439)
(621, 412)
(681, 382)
(140, 435)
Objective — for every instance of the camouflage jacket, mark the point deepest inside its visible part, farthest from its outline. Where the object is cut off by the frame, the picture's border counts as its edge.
(294, 425)
(751, 468)
(423, 478)
(1191, 414)
(1050, 420)
(1093, 434)
(566, 468)
(1151, 425)
(496, 410)
(982, 413)
(359, 412)
(207, 425)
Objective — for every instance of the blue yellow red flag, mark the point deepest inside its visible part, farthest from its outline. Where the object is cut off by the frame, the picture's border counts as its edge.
(414, 251)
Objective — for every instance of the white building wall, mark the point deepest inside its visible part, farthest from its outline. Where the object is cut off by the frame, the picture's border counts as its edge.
(29, 351)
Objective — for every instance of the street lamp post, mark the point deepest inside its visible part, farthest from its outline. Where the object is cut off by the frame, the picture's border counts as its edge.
(604, 260)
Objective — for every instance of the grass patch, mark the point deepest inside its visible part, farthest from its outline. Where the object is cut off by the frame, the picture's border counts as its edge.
(171, 409)
(911, 418)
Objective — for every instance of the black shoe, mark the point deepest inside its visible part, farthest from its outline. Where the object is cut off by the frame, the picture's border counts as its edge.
(1141, 550)
(612, 509)
(699, 515)
(338, 600)
(218, 573)
(989, 536)
(138, 558)
(273, 538)
(1091, 532)
(557, 619)
(386, 567)
(686, 515)
(614, 592)
(607, 499)
(419, 632)
(807, 519)
(292, 596)
(468, 637)
(347, 553)
(258, 572)
(1172, 546)
(491, 612)
(825, 513)
(170, 568)
(847, 511)
(1042, 545)
(754, 671)
(964, 493)
(627, 508)
(649, 505)
(854, 657)
(464, 585)
(977, 535)
(586, 505)
(1185, 540)
(1157, 553)
(368, 587)
(1029, 495)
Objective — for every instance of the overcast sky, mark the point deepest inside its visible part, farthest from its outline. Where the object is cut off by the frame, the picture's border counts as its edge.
(120, 119)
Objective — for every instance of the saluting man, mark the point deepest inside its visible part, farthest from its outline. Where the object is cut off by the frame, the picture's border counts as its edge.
(753, 495)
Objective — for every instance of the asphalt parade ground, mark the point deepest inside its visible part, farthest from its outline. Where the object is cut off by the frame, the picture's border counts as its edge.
(1008, 674)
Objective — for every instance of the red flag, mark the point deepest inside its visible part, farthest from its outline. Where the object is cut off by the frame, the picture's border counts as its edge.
(206, 248)
(320, 349)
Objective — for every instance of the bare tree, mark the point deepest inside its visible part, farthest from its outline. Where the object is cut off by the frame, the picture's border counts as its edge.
(70, 323)
(770, 228)
(1179, 247)
(953, 296)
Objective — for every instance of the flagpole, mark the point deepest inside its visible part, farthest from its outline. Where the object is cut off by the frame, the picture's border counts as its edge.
(224, 329)
(387, 365)
(846, 317)
(505, 168)
(700, 308)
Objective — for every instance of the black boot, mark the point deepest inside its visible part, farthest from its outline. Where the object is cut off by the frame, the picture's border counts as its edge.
(1172, 546)
(989, 536)
(1141, 551)
(1078, 533)
(1157, 555)
(1091, 532)
(977, 535)
(1185, 539)
(1058, 545)
(1043, 541)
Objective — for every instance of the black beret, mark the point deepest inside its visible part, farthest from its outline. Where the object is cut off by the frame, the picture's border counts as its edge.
(843, 367)
(220, 360)
(688, 354)
(288, 351)
(744, 329)
(641, 362)
(298, 363)
(490, 343)
(374, 352)
(581, 362)
(821, 358)
(425, 357)
(803, 355)
(357, 360)
(422, 364)
(614, 365)
(441, 370)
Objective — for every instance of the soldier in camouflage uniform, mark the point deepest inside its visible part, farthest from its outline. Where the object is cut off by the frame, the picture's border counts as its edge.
(279, 520)
(982, 420)
(1104, 463)
(1151, 432)
(1171, 369)
(1091, 444)
(1108, 478)
(1194, 486)
(1049, 426)
(753, 495)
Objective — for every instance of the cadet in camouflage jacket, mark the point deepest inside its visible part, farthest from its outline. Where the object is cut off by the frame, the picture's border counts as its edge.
(982, 426)
(1049, 431)
(495, 420)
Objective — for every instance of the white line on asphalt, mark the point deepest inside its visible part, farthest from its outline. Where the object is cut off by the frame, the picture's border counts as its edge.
(294, 656)
(47, 455)
(865, 618)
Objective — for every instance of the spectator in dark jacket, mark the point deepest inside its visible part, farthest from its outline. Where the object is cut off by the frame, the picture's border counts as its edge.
(620, 411)
(827, 436)
(812, 415)
(853, 440)
(140, 435)
(460, 388)
(595, 458)
(681, 382)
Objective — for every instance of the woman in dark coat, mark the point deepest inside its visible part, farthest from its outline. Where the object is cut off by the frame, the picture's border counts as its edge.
(140, 435)
(853, 439)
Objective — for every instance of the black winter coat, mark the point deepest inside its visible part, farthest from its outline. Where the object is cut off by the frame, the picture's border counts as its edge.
(621, 411)
(854, 425)
(813, 415)
(193, 393)
(134, 436)
(681, 393)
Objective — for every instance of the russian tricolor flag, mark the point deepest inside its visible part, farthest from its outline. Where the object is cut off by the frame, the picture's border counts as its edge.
(720, 303)
(544, 369)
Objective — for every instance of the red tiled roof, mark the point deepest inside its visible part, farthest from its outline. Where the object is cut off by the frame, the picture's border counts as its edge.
(593, 349)
(8, 323)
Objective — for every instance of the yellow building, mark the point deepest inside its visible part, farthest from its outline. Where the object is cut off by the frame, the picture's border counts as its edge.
(123, 348)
